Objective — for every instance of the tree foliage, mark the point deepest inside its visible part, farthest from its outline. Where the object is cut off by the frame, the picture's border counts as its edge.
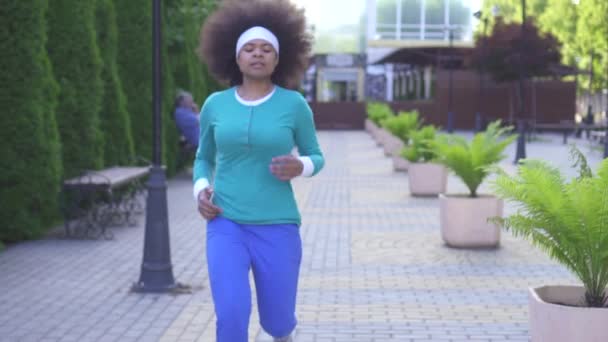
(512, 50)
(580, 28)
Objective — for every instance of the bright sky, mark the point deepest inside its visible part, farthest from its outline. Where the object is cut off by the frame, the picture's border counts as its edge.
(328, 14)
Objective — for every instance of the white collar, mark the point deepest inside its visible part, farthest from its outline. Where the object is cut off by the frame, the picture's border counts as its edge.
(254, 102)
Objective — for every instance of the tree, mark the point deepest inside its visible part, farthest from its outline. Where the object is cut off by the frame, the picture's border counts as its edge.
(581, 30)
(115, 120)
(510, 11)
(77, 64)
(515, 53)
(30, 152)
(560, 19)
(592, 39)
(507, 53)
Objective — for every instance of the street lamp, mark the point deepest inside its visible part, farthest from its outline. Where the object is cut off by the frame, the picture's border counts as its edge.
(520, 152)
(156, 269)
(478, 116)
(450, 127)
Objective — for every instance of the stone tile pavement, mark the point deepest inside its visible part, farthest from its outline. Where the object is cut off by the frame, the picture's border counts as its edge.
(374, 268)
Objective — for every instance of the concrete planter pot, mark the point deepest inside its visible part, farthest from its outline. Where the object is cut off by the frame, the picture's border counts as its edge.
(562, 323)
(464, 221)
(392, 146)
(400, 164)
(382, 136)
(427, 179)
(370, 127)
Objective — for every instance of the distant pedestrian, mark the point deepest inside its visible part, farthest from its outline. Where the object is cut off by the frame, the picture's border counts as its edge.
(186, 118)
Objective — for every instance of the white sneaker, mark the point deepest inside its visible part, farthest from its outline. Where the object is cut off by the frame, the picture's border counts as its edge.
(289, 338)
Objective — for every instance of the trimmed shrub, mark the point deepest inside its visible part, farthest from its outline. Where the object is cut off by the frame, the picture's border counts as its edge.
(30, 152)
(115, 120)
(134, 18)
(135, 67)
(73, 51)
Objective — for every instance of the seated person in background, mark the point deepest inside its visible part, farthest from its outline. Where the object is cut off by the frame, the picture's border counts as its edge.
(186, 118)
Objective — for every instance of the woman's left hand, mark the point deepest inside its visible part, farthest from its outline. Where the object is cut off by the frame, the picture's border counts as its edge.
(286, 167)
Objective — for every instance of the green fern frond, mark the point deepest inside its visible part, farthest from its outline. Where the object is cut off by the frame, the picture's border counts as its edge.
(566, 219)
(421, 145)
(470, 161)
(403, 125)
(378, 112)
(579, 161)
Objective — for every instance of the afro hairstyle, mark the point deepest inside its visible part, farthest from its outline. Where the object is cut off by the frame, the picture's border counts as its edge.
(223, 27)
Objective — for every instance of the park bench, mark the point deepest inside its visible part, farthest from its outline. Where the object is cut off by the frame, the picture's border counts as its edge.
(570, 127)
(97, 199)
(599, 136)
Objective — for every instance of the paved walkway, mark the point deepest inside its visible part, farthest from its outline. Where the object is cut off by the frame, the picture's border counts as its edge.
(374, 268)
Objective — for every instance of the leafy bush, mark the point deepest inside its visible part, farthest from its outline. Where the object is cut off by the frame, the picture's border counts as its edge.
(421, 149)
(470, 161)
(402, 125)
(566, 219)
(377, 112)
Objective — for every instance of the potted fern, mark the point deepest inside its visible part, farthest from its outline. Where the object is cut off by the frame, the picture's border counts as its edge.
(399, 127)
(464, 218)
(569, 220)
(376, 113)
(426, 177)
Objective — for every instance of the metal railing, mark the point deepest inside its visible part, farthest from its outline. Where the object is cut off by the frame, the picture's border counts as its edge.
(420, 32)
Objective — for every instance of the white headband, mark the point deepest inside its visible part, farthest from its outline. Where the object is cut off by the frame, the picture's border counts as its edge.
(257, 32)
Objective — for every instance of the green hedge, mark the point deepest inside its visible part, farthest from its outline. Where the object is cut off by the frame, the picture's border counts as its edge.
(170, 135)
(134, 18)
(30, 154)
(77, 64)
(115, 120)
(135, 67)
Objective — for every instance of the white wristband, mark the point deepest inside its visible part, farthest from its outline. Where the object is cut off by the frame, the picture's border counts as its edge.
(199, 186)
(308, 167)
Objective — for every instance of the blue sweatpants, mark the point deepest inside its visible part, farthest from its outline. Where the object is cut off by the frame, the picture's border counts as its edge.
(273, 253)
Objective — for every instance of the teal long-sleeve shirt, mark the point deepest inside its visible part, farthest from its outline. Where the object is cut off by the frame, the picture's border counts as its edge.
(236, 146)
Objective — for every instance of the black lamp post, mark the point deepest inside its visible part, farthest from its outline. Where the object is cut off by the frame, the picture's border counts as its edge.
(520, 152)
(156, 269)
(450, 112)
(478, 115)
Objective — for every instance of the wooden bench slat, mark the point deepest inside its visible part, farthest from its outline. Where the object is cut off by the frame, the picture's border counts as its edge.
(112, 177)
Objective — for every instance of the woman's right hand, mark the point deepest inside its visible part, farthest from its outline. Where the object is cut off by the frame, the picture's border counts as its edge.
(205, 204)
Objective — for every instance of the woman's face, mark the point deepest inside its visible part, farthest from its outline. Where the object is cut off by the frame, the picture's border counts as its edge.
(257, 60)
